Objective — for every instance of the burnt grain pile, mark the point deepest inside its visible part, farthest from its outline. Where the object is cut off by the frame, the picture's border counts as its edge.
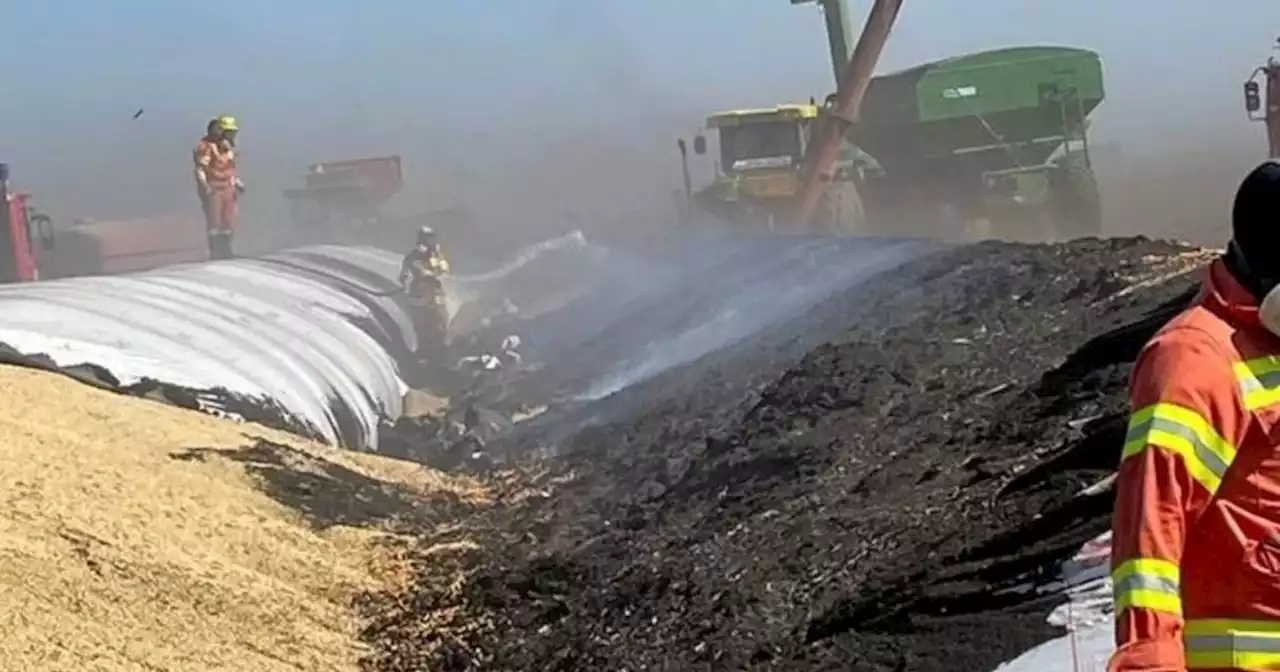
(881, 504)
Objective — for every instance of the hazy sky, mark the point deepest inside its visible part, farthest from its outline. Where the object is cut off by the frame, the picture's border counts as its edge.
(548, 94)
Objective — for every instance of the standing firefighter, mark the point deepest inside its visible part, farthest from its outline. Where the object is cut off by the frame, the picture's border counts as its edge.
(217, 183)
(420, 277)
(1196, 543)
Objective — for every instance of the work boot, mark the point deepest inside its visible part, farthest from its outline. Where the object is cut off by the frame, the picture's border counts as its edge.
(220, 245)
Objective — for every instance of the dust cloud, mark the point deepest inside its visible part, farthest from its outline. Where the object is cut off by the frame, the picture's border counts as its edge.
(564, 116)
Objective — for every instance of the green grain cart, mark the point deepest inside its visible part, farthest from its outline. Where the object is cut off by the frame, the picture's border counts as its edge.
(992, 144)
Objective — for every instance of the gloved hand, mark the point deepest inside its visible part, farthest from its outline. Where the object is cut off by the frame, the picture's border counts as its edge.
(239, 186)
(406, 281)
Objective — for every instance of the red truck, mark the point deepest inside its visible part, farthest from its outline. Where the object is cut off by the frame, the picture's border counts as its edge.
(343, 202)
(340, 202)
(32, 250)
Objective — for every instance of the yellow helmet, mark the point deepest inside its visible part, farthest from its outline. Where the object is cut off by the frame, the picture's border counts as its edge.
(225, 123)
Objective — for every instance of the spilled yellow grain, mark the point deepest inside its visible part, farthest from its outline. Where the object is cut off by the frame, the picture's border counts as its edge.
(116, 553)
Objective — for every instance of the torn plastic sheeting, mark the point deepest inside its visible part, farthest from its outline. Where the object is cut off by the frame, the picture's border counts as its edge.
(1088, 653)
(287, 327)
(1087, 615)
(216, 402)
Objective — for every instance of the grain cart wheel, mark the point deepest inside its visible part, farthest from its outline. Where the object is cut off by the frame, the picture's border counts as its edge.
(1076, 202)
(1086, 213)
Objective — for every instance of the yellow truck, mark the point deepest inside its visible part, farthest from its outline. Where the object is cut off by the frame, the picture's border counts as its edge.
(759, 167)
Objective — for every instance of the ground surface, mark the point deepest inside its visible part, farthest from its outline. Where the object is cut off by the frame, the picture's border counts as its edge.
(878, 503)
(138, 536)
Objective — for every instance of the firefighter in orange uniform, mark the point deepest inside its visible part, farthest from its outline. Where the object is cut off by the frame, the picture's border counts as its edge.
(1196, 533)
(217, 184)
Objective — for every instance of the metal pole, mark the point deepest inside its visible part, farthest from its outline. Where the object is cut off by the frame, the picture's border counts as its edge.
(853, 87)
(1084, 131)
(688, 183)
(1071, 632)
(1272, 107)
(836, 13)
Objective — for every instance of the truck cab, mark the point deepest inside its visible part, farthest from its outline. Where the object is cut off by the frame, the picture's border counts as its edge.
(761, 151)
(25, 227)
(761, 161)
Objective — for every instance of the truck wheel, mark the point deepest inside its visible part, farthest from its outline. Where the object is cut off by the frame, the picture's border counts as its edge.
(1087, 213)
(1077, 203)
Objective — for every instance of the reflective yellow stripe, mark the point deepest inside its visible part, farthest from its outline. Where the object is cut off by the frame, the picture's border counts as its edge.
(1228, 643)
(1147, 583)
(1259, 380)
(1183, 432)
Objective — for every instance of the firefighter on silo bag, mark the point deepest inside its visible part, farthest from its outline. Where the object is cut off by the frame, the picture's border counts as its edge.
(420, 278)
(217, 184)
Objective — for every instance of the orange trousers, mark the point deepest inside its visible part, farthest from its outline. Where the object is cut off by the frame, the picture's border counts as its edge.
(219, 218)
(219, 209)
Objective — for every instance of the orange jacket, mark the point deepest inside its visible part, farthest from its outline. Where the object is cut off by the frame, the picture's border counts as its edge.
(1196, 547)
(218, 163)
